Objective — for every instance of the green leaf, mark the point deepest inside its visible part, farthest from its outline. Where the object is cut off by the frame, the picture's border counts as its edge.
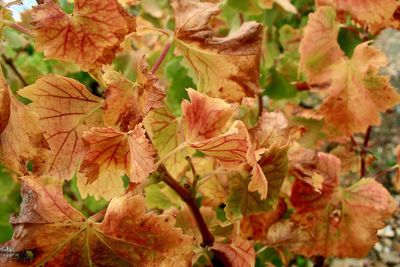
(279, 88)
(179, 80)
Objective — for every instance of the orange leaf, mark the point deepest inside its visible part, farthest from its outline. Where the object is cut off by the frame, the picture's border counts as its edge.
(21, 139)
(230, 148)
(66, 109)
(205, 117)
(127, 103)
(109, 154)
(373, 13)
(239, 253)
(342, 221)
(58, 235)
(355, 90)
(89, 37)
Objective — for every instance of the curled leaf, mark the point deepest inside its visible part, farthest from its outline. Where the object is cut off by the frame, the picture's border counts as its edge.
(89, 37)
(227, 67)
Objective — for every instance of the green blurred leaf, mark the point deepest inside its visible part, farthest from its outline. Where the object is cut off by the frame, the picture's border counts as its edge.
(279, 88)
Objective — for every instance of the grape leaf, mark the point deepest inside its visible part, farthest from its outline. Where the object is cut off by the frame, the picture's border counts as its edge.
(342, 221)
(66, 109)
(127, 103)
(205, 117)
(238, 253)
(89, 37)
(166, 134)
(355, 90)
(286, 234)
(55, 234)
(227, 67)
(109, 154)
(230, 148)
(21, 139)
(241, 202)
(374, 13)
(256, 226)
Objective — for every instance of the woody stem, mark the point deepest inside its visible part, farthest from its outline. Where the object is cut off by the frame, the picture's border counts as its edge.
(188, 198)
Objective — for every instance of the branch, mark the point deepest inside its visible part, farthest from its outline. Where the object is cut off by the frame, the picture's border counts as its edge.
(196, 177)
(186, 196)
(260, 105)
(10, 63)
(364, 150)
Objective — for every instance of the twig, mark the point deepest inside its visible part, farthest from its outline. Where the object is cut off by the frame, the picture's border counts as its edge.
(196, 177)
(260, 105)
(384, 172)
(364, 150)
(319, 261)
(162, 57)
(186, 196)
(10, 63)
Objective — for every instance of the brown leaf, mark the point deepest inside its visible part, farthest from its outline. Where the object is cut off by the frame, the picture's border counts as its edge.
(58, 235)
(239, 253)
(227, 67)
(90, 36)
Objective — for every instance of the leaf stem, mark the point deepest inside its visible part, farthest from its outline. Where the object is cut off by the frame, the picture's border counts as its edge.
(17, 27)
(176, 150)
(162, 57)
(188, 198)
(364, 150)
(10, 63)
(384, 172)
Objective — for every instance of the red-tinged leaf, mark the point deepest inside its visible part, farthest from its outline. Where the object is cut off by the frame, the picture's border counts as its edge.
(66, 109)
(205, 117)
(89, 37)
(230, 148)
(355, 91)
(4, 104)
(256, 226)
(58, 235)
(319, 48)
(373, 13)
(21, 139)
(142, 154)
(239, 253)
(166, 134)
(108, 155)
(286, 234)
(126, 102)
(342, 221)
(226, 67)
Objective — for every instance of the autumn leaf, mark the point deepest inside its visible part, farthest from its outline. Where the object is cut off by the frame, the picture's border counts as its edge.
(241, 202)
(127, 103)
(373, 13)
(66, 109)
(256, 226)
(238, 253)
(396, 179)
(53, 233)
(109, 154)
(205, 117)
(342, 221)
(230, 148)
(166, 134)
(21, 139)
(226, 67)
(286, 234)
(90, 36)
(355, 91)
